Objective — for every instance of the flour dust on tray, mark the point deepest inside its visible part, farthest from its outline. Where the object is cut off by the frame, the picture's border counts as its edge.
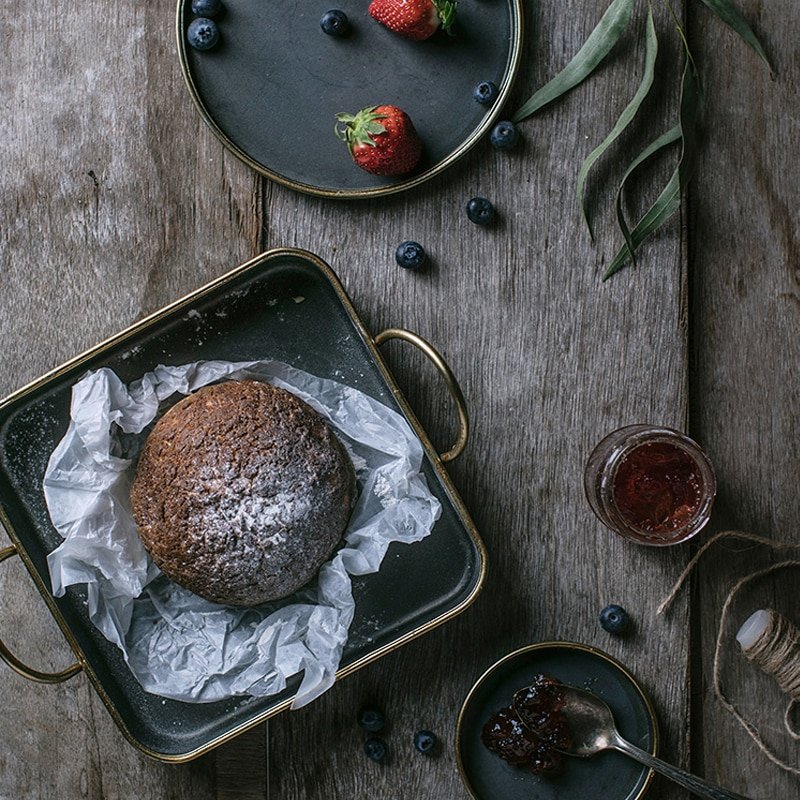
(242, 492)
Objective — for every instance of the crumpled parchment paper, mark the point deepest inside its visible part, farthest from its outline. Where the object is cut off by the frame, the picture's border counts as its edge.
(177, 644)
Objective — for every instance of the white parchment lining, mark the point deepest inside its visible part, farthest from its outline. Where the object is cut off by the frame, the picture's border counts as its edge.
(175, 643)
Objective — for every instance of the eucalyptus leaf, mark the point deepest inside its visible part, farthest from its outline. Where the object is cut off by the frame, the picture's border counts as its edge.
(625, 118)
(666, 139)
(668, 202)
(730, 15)
(596, 47)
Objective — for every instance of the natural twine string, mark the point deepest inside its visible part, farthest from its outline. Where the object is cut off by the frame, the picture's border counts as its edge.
(777, 652)
(794, 671)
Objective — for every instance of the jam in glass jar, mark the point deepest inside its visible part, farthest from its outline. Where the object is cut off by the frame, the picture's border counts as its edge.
(652, 485)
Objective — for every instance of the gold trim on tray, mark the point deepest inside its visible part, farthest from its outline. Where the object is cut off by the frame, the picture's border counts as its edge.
(452, 384)
(564, 645)
(378, 191)
(435, 459)
(20, 667)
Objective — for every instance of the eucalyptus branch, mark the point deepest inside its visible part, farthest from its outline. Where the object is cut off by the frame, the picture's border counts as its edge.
(597, 46)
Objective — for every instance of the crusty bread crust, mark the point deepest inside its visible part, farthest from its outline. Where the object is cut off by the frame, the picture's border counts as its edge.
(242, 492)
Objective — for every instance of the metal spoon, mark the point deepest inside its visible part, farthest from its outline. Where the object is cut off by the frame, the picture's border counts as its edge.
(592, 729)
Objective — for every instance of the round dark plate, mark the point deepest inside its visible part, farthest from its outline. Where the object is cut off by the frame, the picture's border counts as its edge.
(608, 775)
(271, 88)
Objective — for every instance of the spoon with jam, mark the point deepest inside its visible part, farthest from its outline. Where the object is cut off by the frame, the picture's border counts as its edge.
(578, 723)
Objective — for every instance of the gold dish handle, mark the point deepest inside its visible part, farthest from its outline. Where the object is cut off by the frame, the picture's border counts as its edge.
(444, 370)
(20, 668)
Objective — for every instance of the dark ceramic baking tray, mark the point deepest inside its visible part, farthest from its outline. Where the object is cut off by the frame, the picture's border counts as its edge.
(271, 88)
(287, 305)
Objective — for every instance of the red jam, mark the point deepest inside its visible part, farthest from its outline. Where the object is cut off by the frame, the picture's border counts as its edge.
(539, 706)
(658, 488)
(506, 735)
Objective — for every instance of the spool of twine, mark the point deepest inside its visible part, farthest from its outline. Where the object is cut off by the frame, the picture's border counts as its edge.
(777, 647)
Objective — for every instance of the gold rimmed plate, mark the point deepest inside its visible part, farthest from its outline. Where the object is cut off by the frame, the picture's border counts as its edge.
(609, 775)
(271, 87)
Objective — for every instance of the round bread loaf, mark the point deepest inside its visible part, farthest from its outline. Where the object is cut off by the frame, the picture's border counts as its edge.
(242, 492)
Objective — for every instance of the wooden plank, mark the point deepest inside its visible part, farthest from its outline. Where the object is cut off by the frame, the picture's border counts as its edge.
(115, 200)
(746, 398)
(241, 766)
(550, 360)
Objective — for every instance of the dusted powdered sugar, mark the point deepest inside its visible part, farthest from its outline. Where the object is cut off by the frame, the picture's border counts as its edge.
(264, 518)
(250, 526)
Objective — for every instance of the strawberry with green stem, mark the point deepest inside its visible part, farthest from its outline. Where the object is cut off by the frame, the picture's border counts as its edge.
(381, 139)
(414, 19)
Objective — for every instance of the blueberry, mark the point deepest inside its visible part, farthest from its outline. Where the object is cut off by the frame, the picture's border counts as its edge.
(375, 748)
(371, 719)
(206, 8)
(203, 33)
(410, 255)
(504, 135)
(335, 23)
(480, 211)
(425, 741)
(615, 619)
(485, 93)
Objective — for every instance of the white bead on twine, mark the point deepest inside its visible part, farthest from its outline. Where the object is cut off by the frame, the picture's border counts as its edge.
(779, 646)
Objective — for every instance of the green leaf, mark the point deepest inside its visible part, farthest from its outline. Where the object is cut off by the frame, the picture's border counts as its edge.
(600, 42)
(731, 16)
(447, 13)
(625, 117)
(672, 135)
(669, 201)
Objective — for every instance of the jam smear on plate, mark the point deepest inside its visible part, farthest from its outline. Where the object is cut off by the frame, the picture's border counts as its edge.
(509, 733)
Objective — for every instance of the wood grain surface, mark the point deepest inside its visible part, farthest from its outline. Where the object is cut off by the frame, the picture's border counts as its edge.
(116, 200)
(745, 263)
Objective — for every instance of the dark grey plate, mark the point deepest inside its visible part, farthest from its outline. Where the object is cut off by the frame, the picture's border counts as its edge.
(610, 776)
(271, 88)
(286, 305)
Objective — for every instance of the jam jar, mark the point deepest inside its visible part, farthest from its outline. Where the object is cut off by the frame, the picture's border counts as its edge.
(652, 485)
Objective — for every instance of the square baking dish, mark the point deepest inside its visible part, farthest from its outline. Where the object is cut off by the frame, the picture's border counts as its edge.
(286, 305)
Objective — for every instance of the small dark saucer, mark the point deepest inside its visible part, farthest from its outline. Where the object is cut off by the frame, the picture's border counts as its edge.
(271, 87)
(610, 776)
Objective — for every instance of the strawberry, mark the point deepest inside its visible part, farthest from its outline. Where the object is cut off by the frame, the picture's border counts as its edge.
(382, 139)
(414, 19)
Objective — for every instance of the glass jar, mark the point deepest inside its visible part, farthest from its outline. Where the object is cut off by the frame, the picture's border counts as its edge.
(652, 485)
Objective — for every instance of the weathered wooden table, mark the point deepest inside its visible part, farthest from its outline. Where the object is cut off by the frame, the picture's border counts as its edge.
(117, 199)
